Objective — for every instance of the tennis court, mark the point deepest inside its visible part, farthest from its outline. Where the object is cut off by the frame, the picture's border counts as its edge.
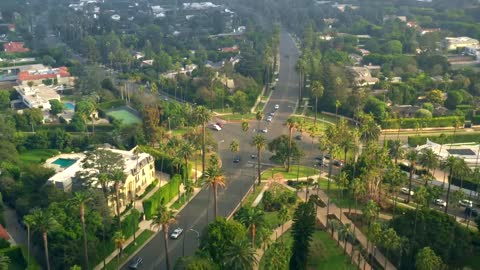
(125, 115)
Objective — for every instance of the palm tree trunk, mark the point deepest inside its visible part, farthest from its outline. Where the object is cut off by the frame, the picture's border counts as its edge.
(215, 200)
(316, 109)
(28, 246)
(253, 231)
(165, 239)
(45, 246)
(412, 169)
(448, 189)
(289, 148)
(117, 205)
(258, 167)
(203, 148)
(84, 232)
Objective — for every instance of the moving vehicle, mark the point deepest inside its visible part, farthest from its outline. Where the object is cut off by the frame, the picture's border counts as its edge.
(406, 191)
(440, 202)
(176, 233)
(136, 263)
(298, 137)
(327, 156)
(253, 156)
(265, 130)
(319, 158)
(466, 203)
(338, 163)
(236, 159)
(272, 114)
(220, 124)
(277, 107)
(216, 127)
(269, 118)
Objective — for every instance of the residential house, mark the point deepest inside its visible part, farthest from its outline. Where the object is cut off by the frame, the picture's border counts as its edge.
(15, 47)
(38, 76)
(187, 70)
(230, 49)
(452, 43)
(37, 96)
(362, 76)
(402, 111)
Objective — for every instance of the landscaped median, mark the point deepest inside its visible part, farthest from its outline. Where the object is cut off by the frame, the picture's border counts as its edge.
(295, 171)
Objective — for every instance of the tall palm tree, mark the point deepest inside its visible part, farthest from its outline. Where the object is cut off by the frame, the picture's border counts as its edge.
(119, 241)
(118, 177)
(214, 179)
(412, 157)
(234, 146)
(259, 142)
(240, 255)
(284, 215)
(291, 123)
(317, 91)
(456, 167)
(185, 151)
(28, 222)
(337, 105)
(203, 116)
(258, 116)
(80, 199)
(43, 222)
(163, 218)
(245, 126)
(252, 218)
(395, 149)
(429, 160)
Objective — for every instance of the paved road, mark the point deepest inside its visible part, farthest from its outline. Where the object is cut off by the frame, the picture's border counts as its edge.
(240, 176)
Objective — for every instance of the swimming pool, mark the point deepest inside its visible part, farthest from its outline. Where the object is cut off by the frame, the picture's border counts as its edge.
(64, 162)
(69, 106)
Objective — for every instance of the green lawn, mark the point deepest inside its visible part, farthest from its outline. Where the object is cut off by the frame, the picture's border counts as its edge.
(324, 253)
(129, 250)
(238, 117)
(253, 195)
(302, 171)
(37, 155)
(341, 200)
(125, 116)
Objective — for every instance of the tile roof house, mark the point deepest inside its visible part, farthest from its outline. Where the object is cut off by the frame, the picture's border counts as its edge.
(15, 47)
(61, 74)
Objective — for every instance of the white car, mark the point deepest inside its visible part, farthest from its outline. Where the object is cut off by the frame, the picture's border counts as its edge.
(277, 106)
(265, 130)
(440, 202)
(466, 203)
(269, 119)
(176, 233)
(272, 114)
(405, 190)
(216, 127)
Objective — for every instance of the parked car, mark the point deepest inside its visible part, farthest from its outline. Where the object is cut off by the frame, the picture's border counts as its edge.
(277, 106)
(135, 263)
(298, 137)
(320, 162)
(327, 156)
(466, 203)
(440, 202)
(265, 130)
(220, 124)
(216, 127)
(176, 233)
(338, 163)
(471, 212)
(236, 159)
(319, 158)
(406, 191)
(272, 114)
(269, 118)
(253, 156)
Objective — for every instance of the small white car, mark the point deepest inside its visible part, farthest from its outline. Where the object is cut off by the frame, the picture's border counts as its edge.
(466, 203)
(176, 233)
(277, 106)
(269, 119)
(405, 190)
(440, 202)
(216, 127)
(265, 130)
(272, 114)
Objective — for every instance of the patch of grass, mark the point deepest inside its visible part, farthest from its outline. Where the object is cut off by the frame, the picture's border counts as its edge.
(129, 250)
(180, 201)
(272, 220)
(238, 117)
(302, 171)
(37, 155)
(126, 117)
(311, 127)
(324, 254)
(253, 195)
(179, 131)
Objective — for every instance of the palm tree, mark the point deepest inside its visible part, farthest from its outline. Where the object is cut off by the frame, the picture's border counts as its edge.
(214, 179)
(185, 151)
(163, 218)
(234, 146)
(252, 218)
(412, 157)
(119, 240)
(203, 116)
(337, 105)
(240, 255)
(43, 222)
(317, 91)
(344, 233)
(284, 215)
(391, 242)
(456, 167)
(28, 222)
(117, 178)
(80, 199)
(369, 131)
(395, 149)
(258, 116)
(245, 126)
(291, 123)
(4, 262)
(260, 143)
(429, 160)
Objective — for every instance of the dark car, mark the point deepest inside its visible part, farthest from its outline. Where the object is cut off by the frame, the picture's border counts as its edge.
(319, 158)
(320, 162)
(338, 163)
(298, 137)
(472, 212)
(236, 159)
(327, 156)
(253, 156)
(136, 263)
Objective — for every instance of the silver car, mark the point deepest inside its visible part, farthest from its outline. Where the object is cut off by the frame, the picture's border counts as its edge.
(176, 233)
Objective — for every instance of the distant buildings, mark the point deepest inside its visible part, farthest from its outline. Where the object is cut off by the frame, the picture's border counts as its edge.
(37, 96)
(362, 76)
(38, 76)
(452, 43)
(188, 69)
(14, 47)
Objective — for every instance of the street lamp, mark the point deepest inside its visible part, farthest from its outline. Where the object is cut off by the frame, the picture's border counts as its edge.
(185, 235)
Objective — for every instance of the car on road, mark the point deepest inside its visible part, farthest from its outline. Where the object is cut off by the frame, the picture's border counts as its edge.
(338, 163)
(327, 156)
(136, 263)
(269, 118)
(298, 137)
(319, 158)
(265, 130)
(320, 162)
(236, 159)
(253, 156)
(471, 212)
(272, 114)
(406, 191)
(176, 233)
(220, 124)
(440, 202)
(277, 107)
(466, 203)
(216, 127)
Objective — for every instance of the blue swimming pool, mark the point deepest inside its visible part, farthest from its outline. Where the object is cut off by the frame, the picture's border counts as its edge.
(69, 106)
(64, 162)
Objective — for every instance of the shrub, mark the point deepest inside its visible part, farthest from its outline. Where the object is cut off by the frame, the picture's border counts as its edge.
(447, 121)
(164, 195)
(127, 223)
(16, 257)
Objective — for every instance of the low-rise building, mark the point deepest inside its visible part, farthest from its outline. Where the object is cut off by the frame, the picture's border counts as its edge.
(362, 76)
(37, 96)
(139, 172)
(453, 43)
(38, 76)
(15, 47)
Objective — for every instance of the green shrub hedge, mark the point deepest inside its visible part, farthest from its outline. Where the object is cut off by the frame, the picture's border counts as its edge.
(447, 121)
(476, 120)
(16, 257)
(111, 104)
(163, 161)
(458, 138)
(128, 226)
(163, 195)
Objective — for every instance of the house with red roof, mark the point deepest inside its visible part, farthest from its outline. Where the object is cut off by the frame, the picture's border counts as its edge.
(58, 75)
(229, 49)
(15, 47)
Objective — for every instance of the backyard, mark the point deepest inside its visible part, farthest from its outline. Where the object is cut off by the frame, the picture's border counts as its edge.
(37, 155)
(125, 115)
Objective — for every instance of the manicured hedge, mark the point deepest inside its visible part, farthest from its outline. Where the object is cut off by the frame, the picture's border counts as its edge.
(458, 138)
(163, 195)
(111, 104)
(16, 257)
(159, 156)
(128, 227)
(447, 121)
(476, 120)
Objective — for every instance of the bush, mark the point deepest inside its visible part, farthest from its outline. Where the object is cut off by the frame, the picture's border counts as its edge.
(16, 257)
(4, 243)
(149, 188)
(458, 138)
(127, 223)
(447, 121)
(164, 195)
(476, 120)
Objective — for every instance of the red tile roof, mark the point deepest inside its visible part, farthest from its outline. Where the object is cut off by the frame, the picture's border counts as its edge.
(229, 49)
(14, 47)
(4, 233)
(33, 75)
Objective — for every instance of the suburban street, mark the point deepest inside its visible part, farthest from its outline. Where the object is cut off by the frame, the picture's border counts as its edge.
(240, 176)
